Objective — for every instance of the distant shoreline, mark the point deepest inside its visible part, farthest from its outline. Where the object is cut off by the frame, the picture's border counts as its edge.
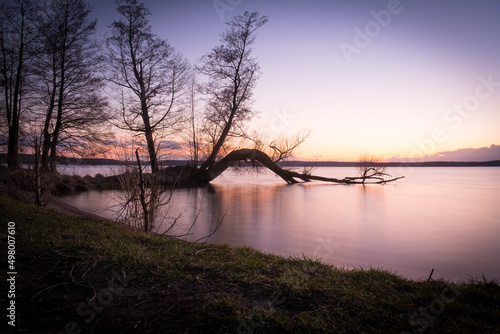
(29, 159)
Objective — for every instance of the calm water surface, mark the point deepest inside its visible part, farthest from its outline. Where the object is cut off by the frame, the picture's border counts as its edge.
(442, 218)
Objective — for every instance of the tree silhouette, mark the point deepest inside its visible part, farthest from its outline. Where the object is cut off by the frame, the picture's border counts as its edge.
(68, 84)
(370, 167)
(149, 76)
(232, 73)
(17, 34)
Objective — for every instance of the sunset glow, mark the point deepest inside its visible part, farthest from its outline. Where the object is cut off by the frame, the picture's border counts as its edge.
(277, 166)
(397, 79)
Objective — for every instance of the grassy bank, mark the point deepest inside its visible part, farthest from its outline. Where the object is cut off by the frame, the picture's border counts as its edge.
(94, 276)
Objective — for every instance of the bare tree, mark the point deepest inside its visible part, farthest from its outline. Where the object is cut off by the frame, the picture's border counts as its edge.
(17, 34)
(140, 201)
(69, 84)
(149, 75)
(284, 146)
(370, 167)
(232, 73)
(145, 205)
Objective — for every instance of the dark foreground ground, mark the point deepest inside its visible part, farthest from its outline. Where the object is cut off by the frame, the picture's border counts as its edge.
(78, 275)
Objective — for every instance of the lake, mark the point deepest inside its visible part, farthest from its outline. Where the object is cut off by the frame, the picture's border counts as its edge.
(446, 218)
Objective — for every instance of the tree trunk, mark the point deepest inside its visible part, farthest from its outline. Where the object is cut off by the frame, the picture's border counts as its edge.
(148, 132)
(288, 176)
(46, 138)
(13, 145)
(147, 211)
(55, 136)
(242, 155)
(234, 108)
(48, 119)
(38, 180)
(152, 152)
(148, 129)
(58, 126)
(211, 159)
(60, 104)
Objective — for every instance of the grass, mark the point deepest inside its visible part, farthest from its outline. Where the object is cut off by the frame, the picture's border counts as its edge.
(95, 276)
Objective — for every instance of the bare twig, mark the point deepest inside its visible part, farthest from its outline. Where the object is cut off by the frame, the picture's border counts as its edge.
(48, 288)
(203, 250)
(49, 270)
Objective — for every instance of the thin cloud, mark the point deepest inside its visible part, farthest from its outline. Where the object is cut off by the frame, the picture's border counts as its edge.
(461, 155)
(468, 154)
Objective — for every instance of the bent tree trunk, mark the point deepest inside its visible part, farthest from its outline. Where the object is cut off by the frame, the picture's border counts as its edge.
(288, 176)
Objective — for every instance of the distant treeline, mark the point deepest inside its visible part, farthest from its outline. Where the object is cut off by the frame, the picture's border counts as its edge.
(395, 164)
(29, 159)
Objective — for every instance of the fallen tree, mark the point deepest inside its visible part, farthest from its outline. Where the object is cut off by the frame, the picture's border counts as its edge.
(232, 73)
(188, 176)
(258, 157)
(220, 138)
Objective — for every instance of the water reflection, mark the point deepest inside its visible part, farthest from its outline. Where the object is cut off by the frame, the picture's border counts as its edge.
(442, 218)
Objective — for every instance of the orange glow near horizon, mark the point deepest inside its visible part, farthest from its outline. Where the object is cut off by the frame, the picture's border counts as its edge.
(426, 82)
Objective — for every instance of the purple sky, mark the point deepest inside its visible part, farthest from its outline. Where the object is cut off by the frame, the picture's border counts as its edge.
(406, 78)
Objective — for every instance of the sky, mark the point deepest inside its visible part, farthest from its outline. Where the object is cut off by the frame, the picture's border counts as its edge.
(402, 80)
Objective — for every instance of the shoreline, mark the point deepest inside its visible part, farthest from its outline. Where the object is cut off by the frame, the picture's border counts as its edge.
(61, 206)
(169, 285)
